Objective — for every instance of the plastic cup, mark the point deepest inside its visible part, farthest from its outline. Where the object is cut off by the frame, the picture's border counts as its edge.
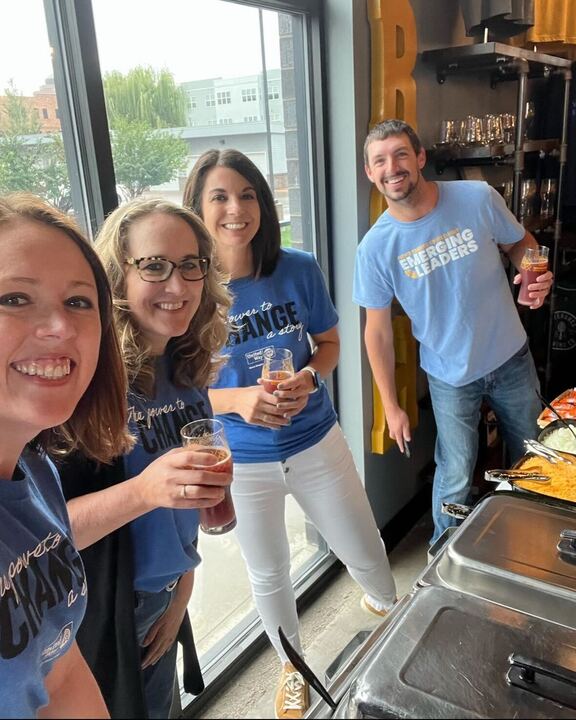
(277, 367)
(534, 263)
(207, 436)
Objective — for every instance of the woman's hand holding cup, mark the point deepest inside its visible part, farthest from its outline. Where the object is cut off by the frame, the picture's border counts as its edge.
(181, 478)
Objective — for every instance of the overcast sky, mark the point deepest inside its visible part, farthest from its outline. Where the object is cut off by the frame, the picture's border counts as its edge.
(194, 39)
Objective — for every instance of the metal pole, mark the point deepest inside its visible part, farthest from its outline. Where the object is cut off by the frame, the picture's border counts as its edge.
(558, 224)
(519, 139)
(266, 104)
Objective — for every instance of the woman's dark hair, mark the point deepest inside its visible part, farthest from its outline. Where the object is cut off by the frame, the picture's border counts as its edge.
(98, 426)
(266, 242)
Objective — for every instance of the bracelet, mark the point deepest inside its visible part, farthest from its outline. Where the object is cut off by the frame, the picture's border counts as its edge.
(315, 378)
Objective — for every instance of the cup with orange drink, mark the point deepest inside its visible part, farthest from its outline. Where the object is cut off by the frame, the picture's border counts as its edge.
(276, 368)
(207, 436)
(534, 263)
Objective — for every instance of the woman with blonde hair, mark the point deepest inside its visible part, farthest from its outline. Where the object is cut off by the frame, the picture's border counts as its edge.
(62, 388)
(170, 307)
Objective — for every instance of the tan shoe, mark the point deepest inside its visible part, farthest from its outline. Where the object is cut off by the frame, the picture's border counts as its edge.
(367, 607)
(292, 695)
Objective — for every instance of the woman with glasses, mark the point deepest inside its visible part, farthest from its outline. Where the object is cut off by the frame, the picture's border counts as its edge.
(62, 386)
(170, 309)
(287, 441)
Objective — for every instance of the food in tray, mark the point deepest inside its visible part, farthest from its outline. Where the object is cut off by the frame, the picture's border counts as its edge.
(562, 483)
(565, 406)
(562, 439)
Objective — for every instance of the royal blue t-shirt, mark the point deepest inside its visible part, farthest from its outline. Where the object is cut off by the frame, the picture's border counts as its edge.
(280, 310)
(42, 584)
(164, 538)
(446, 272)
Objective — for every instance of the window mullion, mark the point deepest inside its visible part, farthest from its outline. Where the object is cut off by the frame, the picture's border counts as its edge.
(78, 80)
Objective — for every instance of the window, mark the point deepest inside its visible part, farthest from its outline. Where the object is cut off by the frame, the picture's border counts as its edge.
(249, 95)
(96, 170)
(41, 155)
(129, 39)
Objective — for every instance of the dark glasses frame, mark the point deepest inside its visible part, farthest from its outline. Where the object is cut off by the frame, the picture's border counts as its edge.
(204, 263)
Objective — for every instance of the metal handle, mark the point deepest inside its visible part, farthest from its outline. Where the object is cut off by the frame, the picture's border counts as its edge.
(456, 510)
(542, 678)
(567, 544)
(537, 448)
(512, 475)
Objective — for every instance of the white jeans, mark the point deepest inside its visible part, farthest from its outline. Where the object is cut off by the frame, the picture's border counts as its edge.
(326, 485)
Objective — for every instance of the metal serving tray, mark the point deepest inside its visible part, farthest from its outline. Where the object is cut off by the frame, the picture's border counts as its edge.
(449, 657)
(507, 551)
(350, 666)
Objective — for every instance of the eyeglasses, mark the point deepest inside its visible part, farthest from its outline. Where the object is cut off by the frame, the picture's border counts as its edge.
(159, 269)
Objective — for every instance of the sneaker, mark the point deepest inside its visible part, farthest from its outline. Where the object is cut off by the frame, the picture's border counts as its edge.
(369, 608)
(292, 695)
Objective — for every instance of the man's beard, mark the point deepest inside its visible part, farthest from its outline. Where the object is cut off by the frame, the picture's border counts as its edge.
(409, 190)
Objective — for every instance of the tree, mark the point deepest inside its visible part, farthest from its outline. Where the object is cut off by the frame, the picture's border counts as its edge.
(145, 95)
(28, 160)
(140, 105)
(144, 157)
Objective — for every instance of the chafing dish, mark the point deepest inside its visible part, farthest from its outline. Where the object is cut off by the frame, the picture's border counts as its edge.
(507, 551)
(489, 629)
(453, 655)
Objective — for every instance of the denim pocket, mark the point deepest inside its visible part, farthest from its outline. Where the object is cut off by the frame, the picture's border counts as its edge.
(524, 350)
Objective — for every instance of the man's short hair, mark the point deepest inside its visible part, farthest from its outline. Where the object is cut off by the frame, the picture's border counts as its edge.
(391, 128)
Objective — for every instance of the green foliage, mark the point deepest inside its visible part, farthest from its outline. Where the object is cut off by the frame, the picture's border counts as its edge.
(145, 95)
(29, 161)
(140, 105)
(144, 157)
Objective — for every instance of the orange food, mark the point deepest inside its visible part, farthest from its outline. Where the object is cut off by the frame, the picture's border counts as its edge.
(565, 406)
(562, 483)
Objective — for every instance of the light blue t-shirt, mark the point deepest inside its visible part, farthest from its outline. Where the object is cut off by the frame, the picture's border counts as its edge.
(446, 272)
(163, 539)
(280, 310)
(42, 584)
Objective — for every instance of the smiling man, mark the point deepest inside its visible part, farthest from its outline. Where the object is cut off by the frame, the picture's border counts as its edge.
(436, 249)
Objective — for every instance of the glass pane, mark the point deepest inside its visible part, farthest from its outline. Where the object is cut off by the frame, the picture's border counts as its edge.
(222, 75)
(32, 154)
(171, 95)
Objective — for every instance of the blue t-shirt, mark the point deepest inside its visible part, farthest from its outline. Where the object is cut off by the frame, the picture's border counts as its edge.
(164, 538)
(280, 310)
(446, 272)
(42, 584)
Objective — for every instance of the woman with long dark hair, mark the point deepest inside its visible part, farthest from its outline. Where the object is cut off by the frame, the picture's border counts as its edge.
(288, 441)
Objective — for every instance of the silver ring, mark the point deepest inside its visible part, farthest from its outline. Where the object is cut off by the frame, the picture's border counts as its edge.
(184, 491)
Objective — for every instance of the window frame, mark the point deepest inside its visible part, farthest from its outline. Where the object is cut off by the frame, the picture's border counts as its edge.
(84, 121)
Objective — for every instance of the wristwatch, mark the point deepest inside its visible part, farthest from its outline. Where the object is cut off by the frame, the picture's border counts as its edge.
(315, 377)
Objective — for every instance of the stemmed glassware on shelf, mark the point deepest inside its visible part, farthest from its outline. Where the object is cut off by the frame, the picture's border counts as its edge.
(474, 130)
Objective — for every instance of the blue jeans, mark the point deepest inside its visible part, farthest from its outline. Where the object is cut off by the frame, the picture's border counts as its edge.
(158, 678)
(510, 392)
